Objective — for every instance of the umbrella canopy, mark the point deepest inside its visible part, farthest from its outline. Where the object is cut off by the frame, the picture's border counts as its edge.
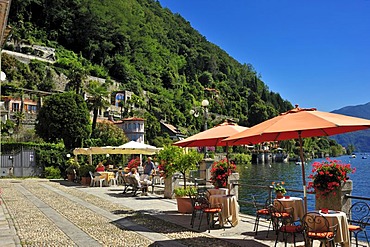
(299, 123)
(211, 137)
(131, 147)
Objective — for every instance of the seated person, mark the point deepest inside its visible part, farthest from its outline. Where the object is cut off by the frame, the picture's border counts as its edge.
(143, 183)
(135, 174)
(100, 167)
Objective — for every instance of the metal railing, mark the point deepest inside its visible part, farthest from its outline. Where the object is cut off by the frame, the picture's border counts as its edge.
(358, 197)
(269, 190)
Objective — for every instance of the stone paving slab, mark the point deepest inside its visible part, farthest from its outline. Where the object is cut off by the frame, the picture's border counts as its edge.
(153, 205)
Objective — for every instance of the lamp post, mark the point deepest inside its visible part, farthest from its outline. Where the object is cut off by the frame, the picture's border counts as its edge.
(196, 112)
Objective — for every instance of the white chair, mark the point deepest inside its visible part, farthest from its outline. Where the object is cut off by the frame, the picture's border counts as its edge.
(114, 181)
(96, 179)
(92, 179)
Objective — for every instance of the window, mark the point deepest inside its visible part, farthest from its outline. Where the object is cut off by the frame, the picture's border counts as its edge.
(15, 107)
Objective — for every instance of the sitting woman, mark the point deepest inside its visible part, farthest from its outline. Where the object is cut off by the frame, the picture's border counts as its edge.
(142, 183)
(100, 167)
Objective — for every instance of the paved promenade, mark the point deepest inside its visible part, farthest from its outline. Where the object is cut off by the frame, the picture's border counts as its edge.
(36, 212)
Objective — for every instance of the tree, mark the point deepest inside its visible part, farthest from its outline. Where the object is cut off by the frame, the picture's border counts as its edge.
(76, 77)
(350, 149)
(174, 159)
(97, 99)
(64, 116)
(107, 134)
(19, 118)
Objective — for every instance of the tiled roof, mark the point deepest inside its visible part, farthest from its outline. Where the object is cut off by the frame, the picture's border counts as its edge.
(134, 119)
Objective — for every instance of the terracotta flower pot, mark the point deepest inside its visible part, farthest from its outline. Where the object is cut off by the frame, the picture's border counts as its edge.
(85, 181)
(279, 195)
(71, 177)
(184, 205)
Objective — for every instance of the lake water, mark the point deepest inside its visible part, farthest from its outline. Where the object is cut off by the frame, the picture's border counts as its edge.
(291, 174)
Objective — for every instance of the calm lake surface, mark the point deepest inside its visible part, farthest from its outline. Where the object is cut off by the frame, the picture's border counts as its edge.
(291, 174)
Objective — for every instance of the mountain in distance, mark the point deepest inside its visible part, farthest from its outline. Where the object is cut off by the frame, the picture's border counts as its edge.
(360, 139)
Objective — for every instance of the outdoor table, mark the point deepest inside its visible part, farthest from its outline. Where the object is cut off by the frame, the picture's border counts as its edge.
(220, 191)
(230, 207)
(293, 202)
(107, 176)
(340, 218)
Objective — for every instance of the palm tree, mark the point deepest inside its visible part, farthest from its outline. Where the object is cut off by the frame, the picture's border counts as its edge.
(96, 99)
(19, 118)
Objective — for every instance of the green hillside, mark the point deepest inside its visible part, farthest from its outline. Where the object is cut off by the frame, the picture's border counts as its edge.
(360, 139)
(146, 47)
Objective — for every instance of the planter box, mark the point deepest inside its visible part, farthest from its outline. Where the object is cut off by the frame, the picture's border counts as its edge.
(86, 181)
(169, 184)
(184, 205)
(336, 201)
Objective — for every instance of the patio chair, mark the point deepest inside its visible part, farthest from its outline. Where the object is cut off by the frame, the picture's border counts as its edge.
(286, 212)
(196, 202)
(114, 181)
(262, 211)
(358, 218)
(283, 222)
(211, 211)
(130, 183)
(134, 184)
(203, 191)
(92, 178)
(96, 179)
(317, 227)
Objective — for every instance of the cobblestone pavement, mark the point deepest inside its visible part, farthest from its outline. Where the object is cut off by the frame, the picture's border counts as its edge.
(48, 213)
(39, 212)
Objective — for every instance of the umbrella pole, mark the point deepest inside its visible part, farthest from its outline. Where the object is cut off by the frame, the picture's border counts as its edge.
(303, 171)
(227, 155)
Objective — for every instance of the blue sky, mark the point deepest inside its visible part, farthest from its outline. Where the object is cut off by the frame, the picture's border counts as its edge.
(313, 53)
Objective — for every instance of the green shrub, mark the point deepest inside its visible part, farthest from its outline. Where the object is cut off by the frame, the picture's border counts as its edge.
(241, 158)
(85, 169)
(72, 166)
(181, 191)
(52, 172)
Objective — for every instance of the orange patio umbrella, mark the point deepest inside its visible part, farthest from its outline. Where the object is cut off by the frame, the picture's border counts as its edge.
(212, 136)
(298, 123)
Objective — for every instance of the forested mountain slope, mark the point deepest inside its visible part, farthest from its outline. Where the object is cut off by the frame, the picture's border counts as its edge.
(146, 47)
(360, 139)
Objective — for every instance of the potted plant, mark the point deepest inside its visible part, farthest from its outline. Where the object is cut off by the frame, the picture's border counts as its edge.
(220, 172)
(84, 172)
(184, 204)
(279, 189)
(329, 179)
(174, 159)
(72, 169)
